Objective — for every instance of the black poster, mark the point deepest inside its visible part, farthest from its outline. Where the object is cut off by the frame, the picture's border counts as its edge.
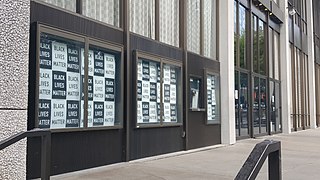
(153, 92)
(139, 90)
(98, 63)
(45, 54)
(44, 113)
(173, 76)
(59, 85)
(145, 71)
(90, 88)
(173, 110)
(98, 109)
(109, 89)
(73, 59)
(166, 97)
(73, 110)
(145, 111)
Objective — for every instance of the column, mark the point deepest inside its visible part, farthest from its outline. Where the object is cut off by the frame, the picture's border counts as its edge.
(225, 55)
(311, 59)
(14, 59)
(285, 68)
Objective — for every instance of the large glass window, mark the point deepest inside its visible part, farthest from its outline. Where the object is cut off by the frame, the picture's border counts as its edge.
(209, 13)
(255, 44)
(142, 17)
(106, 11)
(169, 22)
(159, 98)
(65, 4)
(193, 26)
(276, 56)
(73, 81)
(262, 49)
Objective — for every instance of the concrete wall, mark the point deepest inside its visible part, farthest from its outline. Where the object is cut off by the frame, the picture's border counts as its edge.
(14, 57)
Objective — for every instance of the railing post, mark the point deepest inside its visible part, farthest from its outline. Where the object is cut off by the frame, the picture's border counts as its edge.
(274, 163)
(45, 156)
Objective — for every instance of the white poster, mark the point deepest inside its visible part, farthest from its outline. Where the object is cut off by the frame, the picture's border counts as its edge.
(73, 86)
(139, 112)
(58, 114)
(90, 63)
(173, 94)
(90, 113)
(153, 72)
(82, 113)
(166, 74)
(82, 61)
(145, 91)
(45, 84)
(59, 56)
(110, 66)
(139, 70)
(167, 112)
(109, 113)
(153, 112)
(98, 88)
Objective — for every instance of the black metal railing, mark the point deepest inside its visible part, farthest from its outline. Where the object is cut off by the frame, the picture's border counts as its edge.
(45, 147)
(252, 166)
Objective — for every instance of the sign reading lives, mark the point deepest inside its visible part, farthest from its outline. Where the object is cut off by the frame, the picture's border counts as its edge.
(149, 89)
(212, 104)
(59, 82)
(101, 88)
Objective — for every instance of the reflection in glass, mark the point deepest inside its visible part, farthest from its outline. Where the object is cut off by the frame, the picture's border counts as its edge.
(255, 45)
(236, 100)
(262, 59)
(271, 57)
(169, 22)
(209, 29)
(66, 4)
(272, 107)
(243, 105)
(255, 108)
(242, 36)
(263, 105)
(278, 124)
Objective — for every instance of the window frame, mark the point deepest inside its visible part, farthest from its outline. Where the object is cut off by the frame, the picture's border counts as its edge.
(159, 59)
(87, 41)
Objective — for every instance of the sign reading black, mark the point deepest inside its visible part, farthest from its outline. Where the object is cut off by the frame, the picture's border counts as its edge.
(73, 59)
(145, 111)
(109, 89)
(73, 114)
(98, 63)
(45, 54)
(90, 88)
(59, 85)
(139, 90)
(98, 115)
(44, 114)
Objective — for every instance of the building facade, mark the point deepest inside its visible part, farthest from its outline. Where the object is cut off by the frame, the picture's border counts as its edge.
(120, 80)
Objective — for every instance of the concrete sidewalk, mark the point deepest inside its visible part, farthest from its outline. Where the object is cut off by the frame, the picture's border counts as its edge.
(300, 160)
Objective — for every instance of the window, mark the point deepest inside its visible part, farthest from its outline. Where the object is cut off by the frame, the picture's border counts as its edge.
(169, 22)
(72, 81)
(213, 98)
(209, 26)
(142, 17)
(65, 4)
(106, 11)
(193, 26)
(242, 37)
(158, 91)
(259, 46)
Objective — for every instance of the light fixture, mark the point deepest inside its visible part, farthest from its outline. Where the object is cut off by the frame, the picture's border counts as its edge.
(291, 10)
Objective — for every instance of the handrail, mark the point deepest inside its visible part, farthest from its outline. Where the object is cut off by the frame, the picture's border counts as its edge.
(45, 135)
(253, 164)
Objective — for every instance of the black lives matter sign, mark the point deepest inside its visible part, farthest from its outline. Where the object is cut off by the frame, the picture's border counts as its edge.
(59, 83)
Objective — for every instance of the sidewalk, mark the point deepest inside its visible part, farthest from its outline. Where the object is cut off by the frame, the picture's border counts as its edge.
(300, 160)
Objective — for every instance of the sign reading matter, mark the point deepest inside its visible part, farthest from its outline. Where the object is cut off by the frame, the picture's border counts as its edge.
(59, 83)
(61, 76)
(149, 92)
